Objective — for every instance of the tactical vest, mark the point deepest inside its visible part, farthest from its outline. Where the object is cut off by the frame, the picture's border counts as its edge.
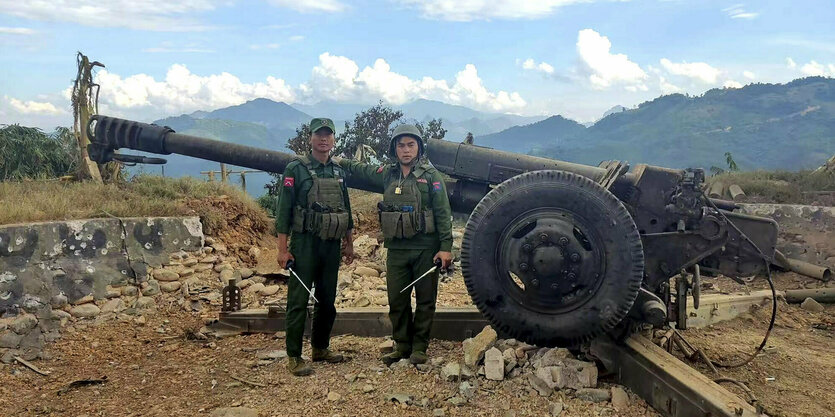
(401, 213)
(325, 214)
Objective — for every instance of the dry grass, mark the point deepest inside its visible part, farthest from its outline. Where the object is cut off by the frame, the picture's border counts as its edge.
(33, 201)
(785, 187)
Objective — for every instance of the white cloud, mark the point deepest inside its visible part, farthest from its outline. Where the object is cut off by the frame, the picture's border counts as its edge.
(182, 91)
(143, 97)
(296, 38)
(790, 63)
(32, 107)
(738, 11)
(16, 31)
(339, 78)
(666, 87)
(469, 10)
(699, 71)
(158, 15)
(749, 75)
(542, 67)
(732, 84)
(604, 68)
(307, 6)
(814, 68)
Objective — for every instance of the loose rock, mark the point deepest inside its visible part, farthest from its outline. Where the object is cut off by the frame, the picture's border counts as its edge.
(113, 306)
(334, 396)
(555, 409)
(144, 303)
(170, 286)
(493, 365)
(368, 388)
(475, 347)
(387, 346)
(10, 340)
(366, 271)
(594, 395)
(451, 372)
(620, 399)
(809, 304)
(23, 323)
(190, 262)
(466, 389)
(166, 275)
(85, 311)
(269, 290)
(539, 385)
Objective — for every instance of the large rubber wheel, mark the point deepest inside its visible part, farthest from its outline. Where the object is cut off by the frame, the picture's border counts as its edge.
(552, 258)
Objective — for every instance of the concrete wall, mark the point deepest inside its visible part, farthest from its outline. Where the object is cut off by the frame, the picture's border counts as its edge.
(60, 262)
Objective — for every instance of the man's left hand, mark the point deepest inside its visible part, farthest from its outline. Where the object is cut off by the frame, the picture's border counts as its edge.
(348, 252)
(445, 257)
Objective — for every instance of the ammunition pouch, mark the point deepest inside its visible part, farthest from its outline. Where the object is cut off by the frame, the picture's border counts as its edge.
(325, 215)
(399, 224)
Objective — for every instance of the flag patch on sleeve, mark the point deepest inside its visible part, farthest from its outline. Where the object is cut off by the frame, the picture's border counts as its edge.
(421, 180)
(289, 181)
(380, 169)
(436, 185)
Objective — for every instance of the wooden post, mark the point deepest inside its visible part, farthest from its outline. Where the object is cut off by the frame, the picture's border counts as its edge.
(224, 175)
(243, 180)
(81, 110)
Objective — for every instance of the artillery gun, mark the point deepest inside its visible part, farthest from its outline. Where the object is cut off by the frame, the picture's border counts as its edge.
(554, 253)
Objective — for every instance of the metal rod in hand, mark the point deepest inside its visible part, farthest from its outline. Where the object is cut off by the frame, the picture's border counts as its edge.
(431, 270)
(289, 267)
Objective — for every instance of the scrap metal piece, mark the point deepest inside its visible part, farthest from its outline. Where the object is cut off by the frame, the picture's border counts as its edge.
(669, 385)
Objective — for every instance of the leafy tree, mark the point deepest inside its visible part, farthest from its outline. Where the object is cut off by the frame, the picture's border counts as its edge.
(300, 144)
(731, 163)
(432, 130)
(28, 152)
(370, 127)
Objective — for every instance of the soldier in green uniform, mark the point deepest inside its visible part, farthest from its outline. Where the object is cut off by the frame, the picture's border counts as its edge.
(313, 209)
(415, 218)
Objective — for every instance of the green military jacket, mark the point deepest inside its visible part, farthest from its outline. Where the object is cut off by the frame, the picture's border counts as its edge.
(296, 184)
(430, 184)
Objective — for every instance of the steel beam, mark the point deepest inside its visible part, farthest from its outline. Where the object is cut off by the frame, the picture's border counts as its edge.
(450, 323)
(669, 385)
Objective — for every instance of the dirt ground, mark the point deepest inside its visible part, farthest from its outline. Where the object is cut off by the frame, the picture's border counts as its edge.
(794, 374)
(153, 370)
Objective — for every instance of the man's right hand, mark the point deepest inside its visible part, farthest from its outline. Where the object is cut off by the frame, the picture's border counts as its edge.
(283, 257)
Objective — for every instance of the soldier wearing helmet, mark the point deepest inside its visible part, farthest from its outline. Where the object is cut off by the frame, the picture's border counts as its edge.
(416, 222)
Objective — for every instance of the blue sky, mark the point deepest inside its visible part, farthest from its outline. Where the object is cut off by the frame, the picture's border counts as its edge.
(575, 58)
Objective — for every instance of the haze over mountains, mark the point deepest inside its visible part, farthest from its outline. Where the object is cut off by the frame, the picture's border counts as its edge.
(772, 126)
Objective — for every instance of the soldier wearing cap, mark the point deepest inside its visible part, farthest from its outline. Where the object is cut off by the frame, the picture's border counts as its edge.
(415, 218)
(313, 209)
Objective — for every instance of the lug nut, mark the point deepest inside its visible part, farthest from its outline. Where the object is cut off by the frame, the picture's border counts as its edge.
(526, 247)
(575, 257)
(572, 275)
(535, 282)
(563, 241)
(554, 286)
(543, 237)
(523, 266)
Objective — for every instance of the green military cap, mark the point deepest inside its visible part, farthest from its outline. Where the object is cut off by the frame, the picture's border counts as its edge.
(321, 122)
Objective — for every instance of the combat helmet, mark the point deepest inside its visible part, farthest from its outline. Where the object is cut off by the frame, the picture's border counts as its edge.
(406, 129)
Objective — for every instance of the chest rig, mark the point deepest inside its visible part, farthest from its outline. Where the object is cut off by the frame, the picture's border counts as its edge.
(402, 212)
(325, 214)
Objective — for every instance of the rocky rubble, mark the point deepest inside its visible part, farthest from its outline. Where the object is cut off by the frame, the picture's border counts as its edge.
(542, 372)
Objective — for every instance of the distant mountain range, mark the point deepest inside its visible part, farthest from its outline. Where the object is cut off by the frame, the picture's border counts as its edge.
(770, 126)
(773, 126)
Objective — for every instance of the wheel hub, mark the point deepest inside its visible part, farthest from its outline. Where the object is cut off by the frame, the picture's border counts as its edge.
(557, 263)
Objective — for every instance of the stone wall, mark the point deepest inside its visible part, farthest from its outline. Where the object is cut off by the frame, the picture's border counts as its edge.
(48, 270)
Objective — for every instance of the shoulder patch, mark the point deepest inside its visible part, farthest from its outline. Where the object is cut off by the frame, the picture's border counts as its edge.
(380, 169)
(436, 186)
(289, 181)
(422, 180)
